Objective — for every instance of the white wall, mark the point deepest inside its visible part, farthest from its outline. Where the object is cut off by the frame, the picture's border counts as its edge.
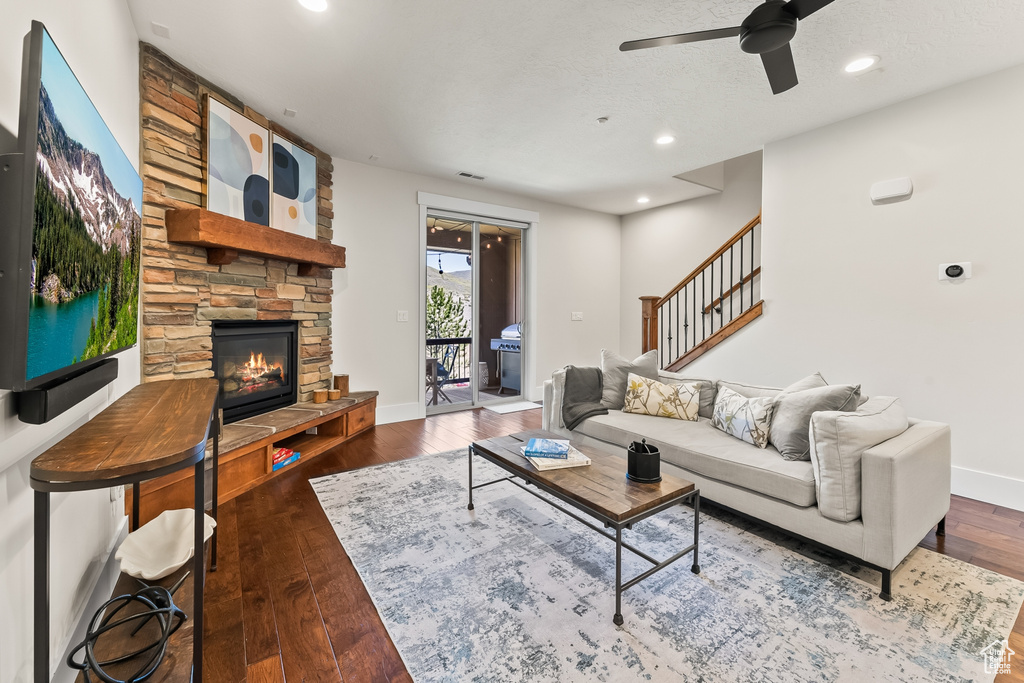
(98, 40)
(661, 246)
(851, 290)
(574, 267)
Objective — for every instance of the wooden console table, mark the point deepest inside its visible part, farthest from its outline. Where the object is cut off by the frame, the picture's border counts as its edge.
(153, 430)
(247, 446)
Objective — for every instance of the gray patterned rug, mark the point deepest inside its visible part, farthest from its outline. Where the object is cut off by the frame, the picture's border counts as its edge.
(518, 591)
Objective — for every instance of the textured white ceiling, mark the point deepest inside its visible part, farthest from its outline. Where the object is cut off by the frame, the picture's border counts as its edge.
(512, 90)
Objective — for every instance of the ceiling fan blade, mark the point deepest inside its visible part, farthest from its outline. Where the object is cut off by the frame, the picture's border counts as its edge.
(802, 9)
(694, 37)
(781, 70)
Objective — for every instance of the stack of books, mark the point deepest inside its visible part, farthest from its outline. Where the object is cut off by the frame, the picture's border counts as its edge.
(553, 454)
(282, 457)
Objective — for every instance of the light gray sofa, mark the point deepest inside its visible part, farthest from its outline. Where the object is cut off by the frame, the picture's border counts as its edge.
(905, 481)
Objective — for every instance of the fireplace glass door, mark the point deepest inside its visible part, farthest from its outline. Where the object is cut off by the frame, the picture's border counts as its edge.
(256, 365)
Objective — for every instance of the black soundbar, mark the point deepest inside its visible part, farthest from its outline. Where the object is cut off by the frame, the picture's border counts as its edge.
(38, 406)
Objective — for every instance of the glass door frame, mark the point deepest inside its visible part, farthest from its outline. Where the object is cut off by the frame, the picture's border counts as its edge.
(475, 221)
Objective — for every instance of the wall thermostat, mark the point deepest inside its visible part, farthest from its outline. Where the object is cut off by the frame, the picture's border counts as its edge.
(955, 271)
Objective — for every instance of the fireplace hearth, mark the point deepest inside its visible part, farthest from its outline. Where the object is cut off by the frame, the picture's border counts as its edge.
(256, 364)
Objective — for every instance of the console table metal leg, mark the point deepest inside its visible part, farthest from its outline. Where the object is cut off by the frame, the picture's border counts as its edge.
(618, 577)
(470, 506)
(198, 574)
(696, 532)
(216, 454)
(41, 625)
(135, 506)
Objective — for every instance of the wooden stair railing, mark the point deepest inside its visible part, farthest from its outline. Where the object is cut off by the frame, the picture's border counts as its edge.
(707, 306)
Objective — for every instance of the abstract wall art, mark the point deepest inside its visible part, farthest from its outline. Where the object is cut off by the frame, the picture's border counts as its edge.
(293, 207)
(238, 164)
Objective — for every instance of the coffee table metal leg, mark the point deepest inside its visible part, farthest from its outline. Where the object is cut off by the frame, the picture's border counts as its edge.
(618, 577)
(696, 532)
(470, 506)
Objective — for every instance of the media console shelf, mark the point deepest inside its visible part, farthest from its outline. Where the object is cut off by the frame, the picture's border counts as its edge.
(247, 446)
(153, 430)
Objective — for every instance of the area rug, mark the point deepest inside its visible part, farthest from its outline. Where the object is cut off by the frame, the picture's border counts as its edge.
(517, 591)
(516, 407)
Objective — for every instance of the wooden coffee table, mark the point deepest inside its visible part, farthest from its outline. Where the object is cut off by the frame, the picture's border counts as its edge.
(599, 490)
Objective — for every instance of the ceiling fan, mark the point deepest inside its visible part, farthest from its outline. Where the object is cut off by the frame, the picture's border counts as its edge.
(766, 31)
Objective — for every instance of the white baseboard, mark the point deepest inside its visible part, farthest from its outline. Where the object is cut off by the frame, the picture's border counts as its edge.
(105, 580)
(400, 413)
(989, 488)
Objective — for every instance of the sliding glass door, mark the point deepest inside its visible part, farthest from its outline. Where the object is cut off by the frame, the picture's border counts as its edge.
(474, 312)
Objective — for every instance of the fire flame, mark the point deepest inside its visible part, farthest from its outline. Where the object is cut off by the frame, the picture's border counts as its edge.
(257, 366)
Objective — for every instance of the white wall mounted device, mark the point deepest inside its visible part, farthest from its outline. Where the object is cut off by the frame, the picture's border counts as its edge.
(889, 191)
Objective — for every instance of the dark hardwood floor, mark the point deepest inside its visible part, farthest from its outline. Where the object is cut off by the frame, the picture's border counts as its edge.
(286, 604)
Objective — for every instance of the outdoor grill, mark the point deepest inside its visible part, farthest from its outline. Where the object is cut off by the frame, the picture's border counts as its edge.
(509, 347)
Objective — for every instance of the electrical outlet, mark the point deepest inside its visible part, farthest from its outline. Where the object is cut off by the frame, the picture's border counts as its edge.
(403, 316)
(577, 316)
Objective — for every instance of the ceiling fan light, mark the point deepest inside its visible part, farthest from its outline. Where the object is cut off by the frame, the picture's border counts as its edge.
(860, 64)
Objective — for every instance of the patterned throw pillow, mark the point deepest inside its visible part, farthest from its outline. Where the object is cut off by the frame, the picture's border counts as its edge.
(651, 397)
(745, 418)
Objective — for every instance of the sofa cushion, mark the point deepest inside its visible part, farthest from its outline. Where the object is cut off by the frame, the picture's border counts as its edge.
(708, 389)
(792, 417)
(750, 390)
(651, 397)
(747, 419)
(616, 369)
(704, 450)
(838, 442)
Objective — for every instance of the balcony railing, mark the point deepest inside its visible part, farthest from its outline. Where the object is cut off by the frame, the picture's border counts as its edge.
(455, 355)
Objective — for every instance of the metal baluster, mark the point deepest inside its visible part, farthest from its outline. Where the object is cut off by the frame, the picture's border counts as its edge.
(732, 283)
(741, 273)
(695, 318)
(677, 324)
(686, 324)
(721, 291)
(703, 305)
(711, 311)
(752, 267)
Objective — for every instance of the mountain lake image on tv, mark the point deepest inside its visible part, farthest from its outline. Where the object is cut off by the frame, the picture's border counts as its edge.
(86, 230)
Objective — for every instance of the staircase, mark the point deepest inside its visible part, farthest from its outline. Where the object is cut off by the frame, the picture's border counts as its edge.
(717, 299)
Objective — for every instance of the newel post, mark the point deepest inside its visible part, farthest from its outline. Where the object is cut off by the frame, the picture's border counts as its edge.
(649, 323)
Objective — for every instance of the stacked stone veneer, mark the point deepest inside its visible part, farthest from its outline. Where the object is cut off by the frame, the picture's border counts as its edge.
(181, 293)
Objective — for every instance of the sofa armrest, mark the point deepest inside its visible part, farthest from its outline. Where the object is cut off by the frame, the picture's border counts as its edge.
(905, 487)
(554, 390)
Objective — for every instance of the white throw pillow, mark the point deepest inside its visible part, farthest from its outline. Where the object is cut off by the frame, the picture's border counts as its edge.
(651, 397)
(748, 419)
(838, 441)
(615, 370)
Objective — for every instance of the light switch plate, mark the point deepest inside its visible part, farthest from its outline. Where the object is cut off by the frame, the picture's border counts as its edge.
(403, 316)
(577, 316)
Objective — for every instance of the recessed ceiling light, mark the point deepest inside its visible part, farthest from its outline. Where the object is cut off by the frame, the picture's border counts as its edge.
(860, 64)
(665, 140)
(643, 200)
(314, 5)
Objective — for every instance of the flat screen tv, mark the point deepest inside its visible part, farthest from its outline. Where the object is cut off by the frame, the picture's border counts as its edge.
(70, 231)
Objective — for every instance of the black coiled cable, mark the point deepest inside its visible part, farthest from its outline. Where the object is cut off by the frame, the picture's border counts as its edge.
(159, 606)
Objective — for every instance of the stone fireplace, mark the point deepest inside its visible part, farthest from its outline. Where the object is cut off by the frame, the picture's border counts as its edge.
(186, 290)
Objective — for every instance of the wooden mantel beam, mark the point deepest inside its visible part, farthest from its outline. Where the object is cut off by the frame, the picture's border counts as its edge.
(225, 237)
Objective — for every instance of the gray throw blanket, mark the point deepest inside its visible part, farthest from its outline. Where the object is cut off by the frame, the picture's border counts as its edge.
(582, 396)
